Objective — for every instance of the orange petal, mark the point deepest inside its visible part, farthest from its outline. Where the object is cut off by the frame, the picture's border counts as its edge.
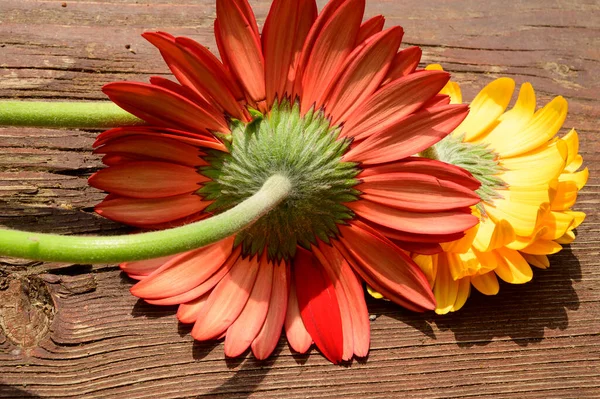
(408, 136)
(385, 267)
(144, 267)
(447, 222)
(161, 107)
(227, 300)
(419, 192)
(184, 272)
(183, 91)
(319, 306)
(440, 170)
(338, 269)
(330, 50)
(147, 179)
(295, 331)
(187, 313)
(363, 73)
(393, 102)
(405, 62)
(142, 212)
(203, 288)
(241, 44)
(247, 326)
(266, 340)
(157, 148)
(369, 28)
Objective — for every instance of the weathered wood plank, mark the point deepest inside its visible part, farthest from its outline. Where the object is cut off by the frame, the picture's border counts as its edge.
(537, 340)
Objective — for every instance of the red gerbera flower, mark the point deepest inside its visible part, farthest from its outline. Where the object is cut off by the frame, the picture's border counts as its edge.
(332, 105)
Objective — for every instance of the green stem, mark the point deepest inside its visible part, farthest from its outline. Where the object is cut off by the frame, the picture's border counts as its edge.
(53, 247)
(95, 114)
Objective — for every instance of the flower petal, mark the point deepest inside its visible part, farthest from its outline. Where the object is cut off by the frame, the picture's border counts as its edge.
(184, 272)
(329, 51)
(144, 267)
(188, 312)
(445, 287)
(405, 62)
(512, 267)
(143, 212)
(241, 44)
(385, 267)
(412, 191)
(226, 301)
(369, 28)
(408, 136)
(147, 179)
(486, 283)
(155, 148)
(448, 222)
(295, 331)
(319, 306)
(247, 326)
(361, 76)
(266, 340)
(393, 102)
(161, 107)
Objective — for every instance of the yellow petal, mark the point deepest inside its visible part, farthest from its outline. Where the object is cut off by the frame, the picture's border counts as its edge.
(511, 122)
(486, 283)
(445, 288)
(532, 195)
(487, 260)
(463, 244)
(567, 238)
(578, 218)
(542, 247)
(464, 289)
(375, 294)
(452, 89)
(512, 267)
(521, 242)
(492, 235)
(579, 178)
(539, 261)
(522, 217)
(565, 196)
(544, 125)
(575, 164)
(572, 141)
(557, 224)
(486, 108)
(462, 265)
(537, 167)
(428, 265)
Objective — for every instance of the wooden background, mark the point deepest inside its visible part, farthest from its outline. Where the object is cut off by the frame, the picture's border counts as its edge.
(72, 331)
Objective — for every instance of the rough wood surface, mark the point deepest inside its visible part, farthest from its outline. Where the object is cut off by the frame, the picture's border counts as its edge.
(76, 332)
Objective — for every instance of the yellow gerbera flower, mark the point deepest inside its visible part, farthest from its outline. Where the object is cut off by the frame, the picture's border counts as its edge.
(530, 181)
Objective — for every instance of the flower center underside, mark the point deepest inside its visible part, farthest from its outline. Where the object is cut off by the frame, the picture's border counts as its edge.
(304, 149)
(478, 159)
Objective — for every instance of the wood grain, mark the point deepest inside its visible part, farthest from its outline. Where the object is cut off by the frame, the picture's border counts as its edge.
(87, 337)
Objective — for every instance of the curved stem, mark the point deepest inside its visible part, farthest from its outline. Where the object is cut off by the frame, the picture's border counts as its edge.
(54, 114)
(81, 249)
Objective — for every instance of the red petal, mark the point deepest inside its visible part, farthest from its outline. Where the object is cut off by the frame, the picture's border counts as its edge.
(199, 140)
(385, 267)
(147, 179)
(157, 148)
(330, 50)
(408, 136)
(144, 267)
(369, 28)
(437, 101)
(159, 106)
(247, 326)
(266, 340)
(226, 301)
(184, 272)
(393, 102)
(416, 192)
(448, 222)
(338, 267)
(318, 304)
(241, 44)
(404, 63)
(424, 248)
(283, 35)
(183, 91)
(143, 212)
(426, 166)
(398, 235)
(364, 72)
(297, 336)
(188, 312)
(203, 288)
